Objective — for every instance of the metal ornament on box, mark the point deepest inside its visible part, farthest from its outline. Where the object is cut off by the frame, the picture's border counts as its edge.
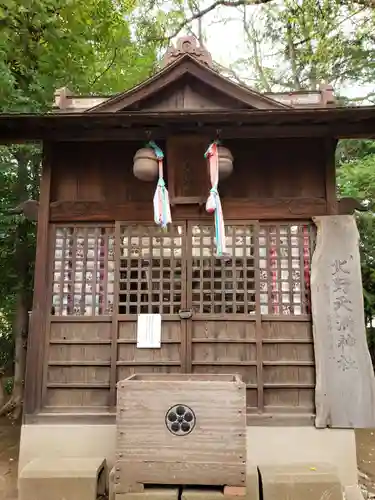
(180, 420)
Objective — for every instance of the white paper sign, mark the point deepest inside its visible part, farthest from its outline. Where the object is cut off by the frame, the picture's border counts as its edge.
(149, 331)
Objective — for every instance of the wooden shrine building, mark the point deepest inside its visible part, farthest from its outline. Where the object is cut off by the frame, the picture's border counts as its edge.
(102, 260)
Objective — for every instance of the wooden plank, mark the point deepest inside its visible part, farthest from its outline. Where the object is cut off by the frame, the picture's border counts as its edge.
(37, 334)
(150, 443)
(259, 333)
(197, 473)
(187, 326)
(101, 415)
(263, 208)
(115, 321)
(345, 384)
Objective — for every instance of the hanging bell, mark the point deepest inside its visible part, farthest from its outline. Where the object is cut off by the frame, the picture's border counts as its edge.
(225, 162)
(145, 165)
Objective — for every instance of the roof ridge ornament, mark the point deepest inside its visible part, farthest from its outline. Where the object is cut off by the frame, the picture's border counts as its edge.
(187, 45)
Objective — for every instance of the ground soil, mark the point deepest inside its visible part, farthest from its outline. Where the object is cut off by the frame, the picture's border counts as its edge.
(9, 446)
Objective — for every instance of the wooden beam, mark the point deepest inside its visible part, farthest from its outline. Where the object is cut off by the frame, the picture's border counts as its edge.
(262, 208)
(234, 131)
(330, 176)
(37, 333)
(347, 206)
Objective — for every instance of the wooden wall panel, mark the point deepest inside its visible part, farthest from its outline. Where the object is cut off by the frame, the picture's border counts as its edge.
(128, 330)
(287, 330)
(276, 168)
(69, 331)
(78, 375)
(76, 398)
(98, 171)
(288, 366)
(168, 359)
(272, 168)
(286, 374)
(289, 374)
(188, 95)
(167, 353)
(270, 347)
(288, 352)
(124, 372)
(77, 353)
(78, 364)
(225, 346)
(289, 400)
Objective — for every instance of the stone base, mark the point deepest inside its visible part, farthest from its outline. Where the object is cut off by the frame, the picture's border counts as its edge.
(266, 446)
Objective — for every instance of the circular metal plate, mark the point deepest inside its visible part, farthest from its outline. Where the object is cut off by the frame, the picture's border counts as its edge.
(180, 420)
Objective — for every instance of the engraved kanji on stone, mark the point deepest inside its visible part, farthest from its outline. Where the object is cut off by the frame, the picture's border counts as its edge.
(342, 302)
(338, 267)
(346, 363)
(346, 341)
(344, 324)
(341, 284)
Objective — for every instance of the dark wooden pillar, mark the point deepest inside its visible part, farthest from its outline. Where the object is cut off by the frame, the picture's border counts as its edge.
(330, 177)
(37, 332)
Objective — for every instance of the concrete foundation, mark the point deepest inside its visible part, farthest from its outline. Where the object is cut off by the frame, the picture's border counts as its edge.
(271, 446)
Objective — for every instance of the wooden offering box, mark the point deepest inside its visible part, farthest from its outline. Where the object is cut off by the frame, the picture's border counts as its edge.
(181, 430)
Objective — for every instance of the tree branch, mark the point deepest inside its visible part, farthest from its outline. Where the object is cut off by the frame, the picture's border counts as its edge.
(111, 63)
(252, 38)
(213, 6)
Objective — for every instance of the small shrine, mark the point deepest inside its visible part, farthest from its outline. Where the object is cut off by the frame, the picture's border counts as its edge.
(189, 227)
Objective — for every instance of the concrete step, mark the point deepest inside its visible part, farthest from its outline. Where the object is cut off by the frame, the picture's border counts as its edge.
(63, 478)
(300, 482)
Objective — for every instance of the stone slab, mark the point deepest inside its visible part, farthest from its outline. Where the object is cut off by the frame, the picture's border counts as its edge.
(345, 382)
(307, 482)
(62, 478)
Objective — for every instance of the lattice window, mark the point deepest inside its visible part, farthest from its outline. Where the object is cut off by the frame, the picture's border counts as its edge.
(281, 252)
(285, 252)
(151, 270)
(223, 285)
(162, 272)
(83, 271)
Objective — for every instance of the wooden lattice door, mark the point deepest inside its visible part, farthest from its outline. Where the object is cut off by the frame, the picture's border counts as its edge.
(247, 314)
(250, 311)
(152, 279)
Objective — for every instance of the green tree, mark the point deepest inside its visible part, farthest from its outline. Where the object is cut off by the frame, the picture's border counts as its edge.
(88, 46)
(356, 178)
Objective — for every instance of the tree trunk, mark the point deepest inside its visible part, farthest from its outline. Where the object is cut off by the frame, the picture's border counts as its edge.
(2, 389)
(23, 254)
(20, 335)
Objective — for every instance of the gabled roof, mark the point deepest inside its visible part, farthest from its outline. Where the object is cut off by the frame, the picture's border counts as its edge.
(188, 82)
(182, 67)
